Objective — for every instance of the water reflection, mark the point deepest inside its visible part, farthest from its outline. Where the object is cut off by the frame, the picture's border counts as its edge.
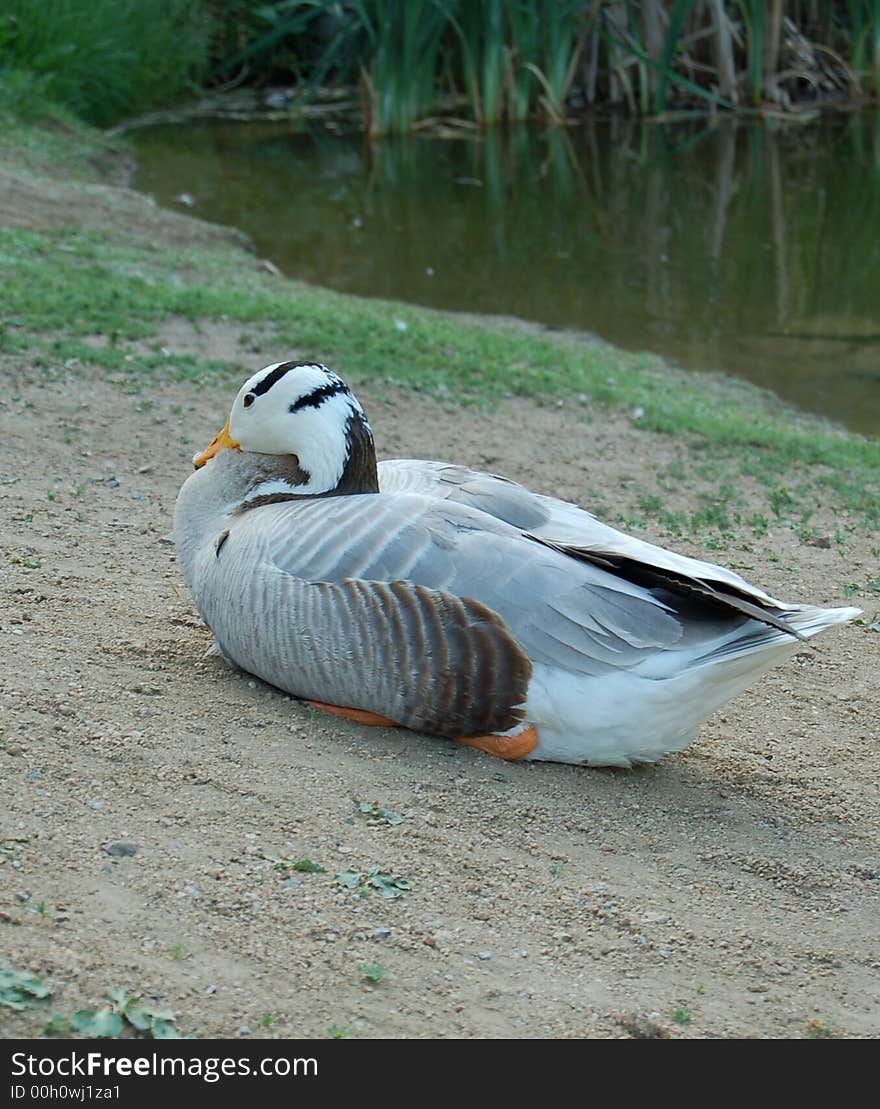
(743, 248)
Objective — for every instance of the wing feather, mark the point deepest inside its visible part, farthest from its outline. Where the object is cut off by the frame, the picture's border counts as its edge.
(562, 611)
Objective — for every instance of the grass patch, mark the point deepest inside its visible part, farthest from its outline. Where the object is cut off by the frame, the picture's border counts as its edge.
(61, 146)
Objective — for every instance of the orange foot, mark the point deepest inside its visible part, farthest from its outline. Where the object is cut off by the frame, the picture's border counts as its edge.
(509, 747)
(359, 716)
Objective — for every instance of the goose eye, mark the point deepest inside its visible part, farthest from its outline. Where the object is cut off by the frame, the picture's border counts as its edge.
(248, 399)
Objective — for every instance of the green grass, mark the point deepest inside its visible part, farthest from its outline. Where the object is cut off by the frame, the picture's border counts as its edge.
(60, 146)
(60, 286)
(100, 59)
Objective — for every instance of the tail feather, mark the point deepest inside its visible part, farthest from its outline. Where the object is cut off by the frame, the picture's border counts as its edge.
(807, 621)
(810, 619)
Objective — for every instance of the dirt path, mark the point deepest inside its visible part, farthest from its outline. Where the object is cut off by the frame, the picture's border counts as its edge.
(735, 884)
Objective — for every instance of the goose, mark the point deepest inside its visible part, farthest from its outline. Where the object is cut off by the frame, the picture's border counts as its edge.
(428, 596)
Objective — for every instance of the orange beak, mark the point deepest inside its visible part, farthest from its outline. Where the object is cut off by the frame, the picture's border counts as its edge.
(224, 439)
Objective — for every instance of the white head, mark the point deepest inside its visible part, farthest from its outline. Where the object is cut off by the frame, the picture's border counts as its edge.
(301, 409)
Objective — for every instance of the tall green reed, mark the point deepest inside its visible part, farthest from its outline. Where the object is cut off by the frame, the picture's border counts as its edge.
(864, 34)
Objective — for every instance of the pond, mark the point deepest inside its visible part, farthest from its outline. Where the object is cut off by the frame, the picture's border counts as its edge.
(750, 248)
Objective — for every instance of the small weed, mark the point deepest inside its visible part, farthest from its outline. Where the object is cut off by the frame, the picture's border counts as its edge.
(780, 501)
(629, 523)
(712, 516)
(378, 812)
(338, 1031)
(677, 470)
(302, 866)
(27, 518)
(650, 503)
(674, 522)
(387, 885)
(267, 1020)
(178, 952)
(127, 1013)
(372, 972)
(681, 1016)
(27, 562)
(18, 988)
(56, 1025)
(818, 1029)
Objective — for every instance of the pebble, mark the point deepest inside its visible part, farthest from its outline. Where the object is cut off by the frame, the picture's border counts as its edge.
(381, 933)
(292, 883)
(121, 848)
(96, 805)
(484, 955)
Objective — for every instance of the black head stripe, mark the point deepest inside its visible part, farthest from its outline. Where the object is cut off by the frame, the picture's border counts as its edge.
(317, 396)
(274, 376)
(271, 379)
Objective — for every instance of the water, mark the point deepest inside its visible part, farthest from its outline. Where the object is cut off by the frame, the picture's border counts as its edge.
(745, 248)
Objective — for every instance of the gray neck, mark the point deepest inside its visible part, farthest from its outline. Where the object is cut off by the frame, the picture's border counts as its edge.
(211, 494)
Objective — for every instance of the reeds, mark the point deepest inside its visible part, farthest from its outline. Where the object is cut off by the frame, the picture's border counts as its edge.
(509, 60)
(486, 60)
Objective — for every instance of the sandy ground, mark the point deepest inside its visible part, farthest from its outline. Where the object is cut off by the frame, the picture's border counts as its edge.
(729, 891)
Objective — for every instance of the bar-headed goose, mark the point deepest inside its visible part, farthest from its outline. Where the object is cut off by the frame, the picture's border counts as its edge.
(453, 602)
